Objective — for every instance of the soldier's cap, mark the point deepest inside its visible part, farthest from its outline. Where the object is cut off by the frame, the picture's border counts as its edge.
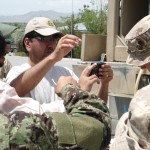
(43, 26)
(138, 43)
(133, 128)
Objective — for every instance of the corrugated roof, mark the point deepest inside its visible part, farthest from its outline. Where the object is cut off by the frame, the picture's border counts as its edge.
(6, 29)
(80, 27)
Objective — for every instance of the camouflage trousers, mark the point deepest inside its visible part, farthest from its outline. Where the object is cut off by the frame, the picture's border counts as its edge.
(85, 125)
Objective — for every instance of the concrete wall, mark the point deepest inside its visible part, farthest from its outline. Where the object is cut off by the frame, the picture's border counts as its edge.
(93, 45)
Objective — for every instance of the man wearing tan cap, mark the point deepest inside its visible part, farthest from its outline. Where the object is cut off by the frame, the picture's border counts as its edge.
(39, 122)
(133, 129)
(45, 46)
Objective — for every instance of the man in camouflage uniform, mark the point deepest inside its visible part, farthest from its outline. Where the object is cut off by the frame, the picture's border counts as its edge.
(133, 129)
(84, 126)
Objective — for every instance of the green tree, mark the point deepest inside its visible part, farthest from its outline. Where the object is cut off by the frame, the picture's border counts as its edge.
(95, 20)
(17, 37)
(68, 27)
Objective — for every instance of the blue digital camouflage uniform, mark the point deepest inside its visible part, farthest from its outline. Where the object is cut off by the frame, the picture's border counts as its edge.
(85, 125)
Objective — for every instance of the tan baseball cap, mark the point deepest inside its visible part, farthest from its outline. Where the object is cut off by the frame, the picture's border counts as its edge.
(138, 43)
(41, 25)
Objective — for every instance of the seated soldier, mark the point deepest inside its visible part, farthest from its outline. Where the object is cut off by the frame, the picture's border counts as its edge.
(25, 124)
(133, 129)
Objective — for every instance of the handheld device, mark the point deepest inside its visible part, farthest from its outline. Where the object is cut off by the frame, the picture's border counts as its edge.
(96, 69)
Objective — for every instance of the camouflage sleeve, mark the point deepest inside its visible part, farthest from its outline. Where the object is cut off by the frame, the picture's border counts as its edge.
(22, 130)
(78, 101)
(27, 131)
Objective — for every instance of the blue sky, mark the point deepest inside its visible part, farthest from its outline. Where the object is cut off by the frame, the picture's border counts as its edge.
(19, 7)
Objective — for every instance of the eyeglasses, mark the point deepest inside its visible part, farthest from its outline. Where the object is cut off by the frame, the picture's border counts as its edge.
(48, 39)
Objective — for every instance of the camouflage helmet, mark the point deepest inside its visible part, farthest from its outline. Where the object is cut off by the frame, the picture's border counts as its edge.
(138, 43)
